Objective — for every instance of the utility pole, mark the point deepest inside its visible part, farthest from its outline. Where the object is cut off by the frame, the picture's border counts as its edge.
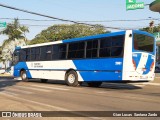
(151, 26)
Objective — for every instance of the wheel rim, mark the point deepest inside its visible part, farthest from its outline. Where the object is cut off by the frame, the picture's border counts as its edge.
(24, 76)
(71, 78)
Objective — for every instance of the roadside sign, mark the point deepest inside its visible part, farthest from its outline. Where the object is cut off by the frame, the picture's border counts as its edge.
(130, 1)
(3, 24)
(133, 5)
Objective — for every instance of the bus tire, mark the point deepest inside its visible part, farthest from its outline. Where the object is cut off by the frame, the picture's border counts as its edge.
(44, 80)
(72, 78)
(94, 84)
(24, 76)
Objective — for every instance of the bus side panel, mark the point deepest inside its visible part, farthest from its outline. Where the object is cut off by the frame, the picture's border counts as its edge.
(107, 69)
(55, 70)
(19, 66)
(101, 76)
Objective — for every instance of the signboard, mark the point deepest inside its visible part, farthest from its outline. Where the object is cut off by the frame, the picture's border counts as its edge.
(130, 1)
(133, 5)
(3, 24)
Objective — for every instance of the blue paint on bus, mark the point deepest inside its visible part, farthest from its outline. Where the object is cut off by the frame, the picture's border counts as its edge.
(106, 69)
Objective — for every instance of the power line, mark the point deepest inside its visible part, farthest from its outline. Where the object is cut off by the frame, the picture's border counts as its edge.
(129, 20)
(34, 13)
(47, 16)
(130, 28)
(26, 19)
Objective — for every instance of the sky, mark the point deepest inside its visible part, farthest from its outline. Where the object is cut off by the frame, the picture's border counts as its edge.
(77, 10)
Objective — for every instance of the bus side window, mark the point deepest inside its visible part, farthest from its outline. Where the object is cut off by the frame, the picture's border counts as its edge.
(105, 47)
(76, 50)
(55, 52)
(43, 53)
(48, 52)
(33, 54)
(117, 46)
(22, 55)
(37, 54)
(92, 47)
(135, 45)
(28, 54)
(62, 51)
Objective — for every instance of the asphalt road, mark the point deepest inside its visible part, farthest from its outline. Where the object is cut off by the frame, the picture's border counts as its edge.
(16, 95)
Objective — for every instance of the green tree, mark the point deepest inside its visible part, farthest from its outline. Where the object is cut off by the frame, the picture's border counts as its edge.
(16, 36)
(15, 30)
(151, 28)
(65, 31)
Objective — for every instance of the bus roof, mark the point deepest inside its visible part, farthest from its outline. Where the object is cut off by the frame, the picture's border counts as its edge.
(83, 38)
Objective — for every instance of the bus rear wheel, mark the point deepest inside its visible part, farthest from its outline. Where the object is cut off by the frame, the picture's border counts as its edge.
(72, 78)
(94, 84)
(24, 76)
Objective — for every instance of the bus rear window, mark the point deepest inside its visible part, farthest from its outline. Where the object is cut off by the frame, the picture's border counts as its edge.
(143, 43)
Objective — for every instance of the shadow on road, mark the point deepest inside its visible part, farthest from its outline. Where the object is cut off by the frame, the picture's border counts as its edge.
(6, 82)
(105, 85)
(122, 86)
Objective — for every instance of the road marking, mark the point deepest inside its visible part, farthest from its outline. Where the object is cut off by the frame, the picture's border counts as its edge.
(17, 78)
(134, 84)
(50, 106)
(144, 84)
(129, 97)
(10, 93)
(54, 88)
(157, 77)
(18, 90)
(154, 84)
(31, 88)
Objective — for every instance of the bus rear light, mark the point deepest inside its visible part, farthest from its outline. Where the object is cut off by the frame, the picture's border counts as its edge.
(134, 64)
(151, 67)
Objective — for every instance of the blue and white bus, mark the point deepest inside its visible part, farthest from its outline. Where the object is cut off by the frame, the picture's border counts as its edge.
(115, 57)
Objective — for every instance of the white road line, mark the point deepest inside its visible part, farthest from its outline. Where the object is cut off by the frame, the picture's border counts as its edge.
(18, 90)
(31, 88)
(54, 88)
(10, 93)
(144, 84)
(128, 96)
(154, 84)
(134, 84)
(17, 78)
(47, 105)
(157, 77)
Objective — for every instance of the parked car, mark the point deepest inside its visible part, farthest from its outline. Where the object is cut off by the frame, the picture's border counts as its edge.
(2, 70)
(157, 67)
